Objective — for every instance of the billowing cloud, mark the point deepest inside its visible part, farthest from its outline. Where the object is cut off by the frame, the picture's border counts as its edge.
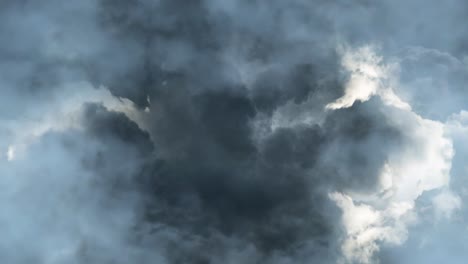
(422, 163)
(154, 131)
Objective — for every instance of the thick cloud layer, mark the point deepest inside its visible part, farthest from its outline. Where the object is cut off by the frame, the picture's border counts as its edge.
(154, 131)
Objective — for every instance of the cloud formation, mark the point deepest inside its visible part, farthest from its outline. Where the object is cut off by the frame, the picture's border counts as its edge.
(154, 131)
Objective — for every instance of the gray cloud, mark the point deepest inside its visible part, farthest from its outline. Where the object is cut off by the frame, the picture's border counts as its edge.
(154, 131)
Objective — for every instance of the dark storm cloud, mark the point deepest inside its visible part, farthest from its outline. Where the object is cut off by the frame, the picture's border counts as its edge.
(177, 41)
(240, 189)
(202, 183)
(106, 125)
(273, 193)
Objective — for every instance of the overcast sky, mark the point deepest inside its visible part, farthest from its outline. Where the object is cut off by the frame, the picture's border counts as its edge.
(233, 131)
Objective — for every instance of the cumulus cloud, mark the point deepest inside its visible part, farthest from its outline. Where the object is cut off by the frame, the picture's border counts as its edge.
(421, 164)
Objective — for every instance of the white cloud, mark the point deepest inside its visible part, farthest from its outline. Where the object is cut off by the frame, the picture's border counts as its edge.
(366, 226)
(422, 164)
(368, 77)
(425, 162)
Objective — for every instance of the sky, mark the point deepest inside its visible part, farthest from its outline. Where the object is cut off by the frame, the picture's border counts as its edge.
(233, 131)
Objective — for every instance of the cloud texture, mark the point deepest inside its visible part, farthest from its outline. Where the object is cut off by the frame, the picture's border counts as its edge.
(222, 131)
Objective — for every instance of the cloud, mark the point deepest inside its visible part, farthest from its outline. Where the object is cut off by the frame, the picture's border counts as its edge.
(368, 77)
(421, 164)
(231, 131)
